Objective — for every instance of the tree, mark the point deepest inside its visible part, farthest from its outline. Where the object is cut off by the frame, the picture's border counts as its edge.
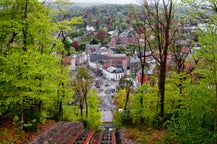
(207, 40)
(184, 61)
(208, 53)
(141, 34)
(148, 112)
(94, 113)
(82, 47)
(65, 23)
(123, 26)
(75, 44)
(126, 84)
(94, 41)
(101, 35)
(27, 61)
(65, 29)
(119, 100)
(34, 81)
(81, 85)
(159, 19)
(196, 122)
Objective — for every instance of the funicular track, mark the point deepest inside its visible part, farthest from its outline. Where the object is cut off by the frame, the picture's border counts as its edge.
(83, 138)
(93, 137)
(74, 133)
(106, 136)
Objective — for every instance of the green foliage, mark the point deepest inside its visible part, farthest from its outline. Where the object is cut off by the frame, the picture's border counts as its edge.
(67, 44)
(70, 112)
(194, 123)
(30, 125)
(94, 117)
(81, 47)
(119, 100)
(82, 73)
(174, 97)
(149, 110)
(94, 41)
(30, 71)
(193, 120)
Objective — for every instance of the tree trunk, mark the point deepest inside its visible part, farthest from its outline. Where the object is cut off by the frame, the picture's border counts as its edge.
(61, 93)
(142, 120)
(86, 105)
(127, 99)
(126, 104)
(161, 87)
(215, 107)
(81, 111)
(22, 114)
(215, 114)
(60, 110)
(25, 28)
(215, 104)
(40, 106)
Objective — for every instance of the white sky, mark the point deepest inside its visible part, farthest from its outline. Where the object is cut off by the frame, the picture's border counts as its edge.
(108, 1)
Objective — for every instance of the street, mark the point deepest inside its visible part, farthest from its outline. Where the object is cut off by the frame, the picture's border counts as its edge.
(106, 91)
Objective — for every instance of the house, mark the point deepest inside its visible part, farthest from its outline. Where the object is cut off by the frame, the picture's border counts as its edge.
(124, 39)
(90, 49)
(113, 73)
(81, 58)
(113, 66)
(113, 42)
(139, 78)
(105, 50)
(131, 39)
(67, 60)
(134, 64)
(70, 61)
(90, 28)
(116, 60)
(96, 60)
(114, 32)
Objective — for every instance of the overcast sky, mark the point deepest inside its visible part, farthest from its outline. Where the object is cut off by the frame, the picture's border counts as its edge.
(108, 1)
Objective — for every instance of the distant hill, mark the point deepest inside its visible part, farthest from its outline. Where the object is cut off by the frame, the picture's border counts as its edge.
(85, 4)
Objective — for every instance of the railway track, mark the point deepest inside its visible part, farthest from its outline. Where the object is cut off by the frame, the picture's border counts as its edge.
(92, 137)
(74, 133)
(107, 137)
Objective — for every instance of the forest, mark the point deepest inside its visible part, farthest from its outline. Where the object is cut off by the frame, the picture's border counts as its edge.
(179, 99)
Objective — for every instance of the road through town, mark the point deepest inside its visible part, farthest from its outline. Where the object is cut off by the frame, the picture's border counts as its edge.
(106, 91)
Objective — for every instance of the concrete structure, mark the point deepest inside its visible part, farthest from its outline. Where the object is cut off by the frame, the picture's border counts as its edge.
(81, 58)
(113, 73)
(73, 62)
(134, 64)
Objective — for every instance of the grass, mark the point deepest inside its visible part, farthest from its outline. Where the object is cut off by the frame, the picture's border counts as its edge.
(11, 133)
(147, 136)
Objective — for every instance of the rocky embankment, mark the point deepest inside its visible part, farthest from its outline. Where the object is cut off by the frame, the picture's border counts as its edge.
(121, 133)
(60, 133)
(67, 132)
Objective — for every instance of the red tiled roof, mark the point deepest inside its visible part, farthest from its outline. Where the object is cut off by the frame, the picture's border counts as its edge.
(185, 50)
(67, 60)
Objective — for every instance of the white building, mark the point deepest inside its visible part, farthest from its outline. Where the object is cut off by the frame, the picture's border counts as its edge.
(113, 73)
(90, 28)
